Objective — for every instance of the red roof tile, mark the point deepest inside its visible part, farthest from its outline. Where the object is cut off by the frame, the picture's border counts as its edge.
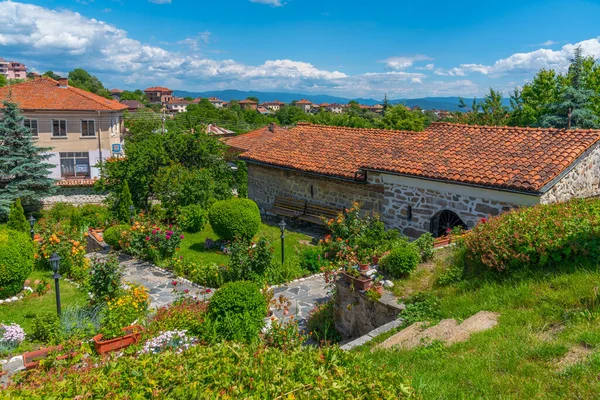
(304, 101)
(246, 102)
(46, 94)
(523, 159)
(254, 139)
(157, 89)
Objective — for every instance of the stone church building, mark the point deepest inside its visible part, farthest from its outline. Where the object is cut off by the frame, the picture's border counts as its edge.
(445, 176)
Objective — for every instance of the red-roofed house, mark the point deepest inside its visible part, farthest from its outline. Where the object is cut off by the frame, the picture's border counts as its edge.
(177, 105)
(248, 141)
(305, 105)
(159, 94)
(448, 175)
(248, 104)
(79, 126)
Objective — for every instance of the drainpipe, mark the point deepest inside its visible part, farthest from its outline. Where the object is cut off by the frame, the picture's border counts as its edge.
(99, 141)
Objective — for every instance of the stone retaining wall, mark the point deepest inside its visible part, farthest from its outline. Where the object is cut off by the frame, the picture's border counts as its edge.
(78, 195)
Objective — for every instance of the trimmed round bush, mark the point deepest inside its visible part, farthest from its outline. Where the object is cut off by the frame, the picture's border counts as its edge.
(191, 218)
(16, 261)
(235, 218)
(238, 310)
(112, 235)
(401, 261)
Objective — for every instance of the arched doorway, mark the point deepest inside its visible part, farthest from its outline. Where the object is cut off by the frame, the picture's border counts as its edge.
(445, 220)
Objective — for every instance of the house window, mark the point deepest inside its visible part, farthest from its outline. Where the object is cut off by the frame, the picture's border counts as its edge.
(32, 124)
(88, 128)
(75, 164)
(59, 128)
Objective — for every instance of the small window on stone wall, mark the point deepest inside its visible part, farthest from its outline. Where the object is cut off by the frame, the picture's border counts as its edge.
(312, 192)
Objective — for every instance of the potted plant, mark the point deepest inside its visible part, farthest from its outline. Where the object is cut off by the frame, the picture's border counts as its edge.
(364, 256)
(132, 335)
(32, 359)
(377, 284)
(356, 279)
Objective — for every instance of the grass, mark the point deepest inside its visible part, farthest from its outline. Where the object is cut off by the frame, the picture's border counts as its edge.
(192, 246)
(24, 311)
(546, 346)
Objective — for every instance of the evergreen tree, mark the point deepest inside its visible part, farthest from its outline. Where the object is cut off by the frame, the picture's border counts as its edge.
(386, 103)
(123, 204)
(575, 103)
(23, 171)
(16, 218)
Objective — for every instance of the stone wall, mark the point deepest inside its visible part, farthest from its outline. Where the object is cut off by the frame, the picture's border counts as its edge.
(266, 183)
(355, 315)
(426, 203)
(78, 195)
(582, 181)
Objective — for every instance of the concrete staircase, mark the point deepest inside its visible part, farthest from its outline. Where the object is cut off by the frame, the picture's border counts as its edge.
(448, 331)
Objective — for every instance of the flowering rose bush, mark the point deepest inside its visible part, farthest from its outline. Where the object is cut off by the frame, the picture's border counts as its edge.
(186, 314)
(531, 238)
(122, 311)
(151, 241)
(11, 336)
(177, 341)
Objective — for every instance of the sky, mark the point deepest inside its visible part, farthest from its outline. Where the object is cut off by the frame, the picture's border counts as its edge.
(405, 49)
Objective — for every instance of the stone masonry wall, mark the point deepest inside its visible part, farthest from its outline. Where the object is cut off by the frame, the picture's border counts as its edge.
(426, 203)
(581, 181)
(266, 183)
(77, 196)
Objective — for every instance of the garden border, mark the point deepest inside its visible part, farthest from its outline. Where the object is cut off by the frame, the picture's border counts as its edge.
(372, 335)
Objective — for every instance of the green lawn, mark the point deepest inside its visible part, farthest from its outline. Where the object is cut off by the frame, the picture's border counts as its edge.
(192, 246)
(23, 311)
(546, 319)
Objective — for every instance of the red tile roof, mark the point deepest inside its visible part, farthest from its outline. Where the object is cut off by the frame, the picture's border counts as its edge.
(246, 102)
(254, 139)
(157, 89)
(522, 159)
(304, 101)
(46, 94)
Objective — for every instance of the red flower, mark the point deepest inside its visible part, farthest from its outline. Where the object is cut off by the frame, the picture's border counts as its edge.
(174, 283)
(208, 290)
(147, 237)
(186, 291)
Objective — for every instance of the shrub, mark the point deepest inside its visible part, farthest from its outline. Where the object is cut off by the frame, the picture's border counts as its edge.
(81, 322)
(284, 335)
(121, 211)
(321, 325)
(16, 261)
(105, 280)
(112, 236)
(150, 241)
(192, 218)
(312, 258)
(563, 234)
(238, 309)
(421, 307)
(401, 261)
(122, 311)
(187, 314)
(46, 328)
(207, 275)
(425, 245)
(235, 218)
(278, 273)
(16, 218)
(69, 245)
(95, 216)
(249, 262)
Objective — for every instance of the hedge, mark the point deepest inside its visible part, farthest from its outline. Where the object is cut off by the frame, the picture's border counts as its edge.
(235, 218)
(16, 261)
(401, 261)
(112, 235)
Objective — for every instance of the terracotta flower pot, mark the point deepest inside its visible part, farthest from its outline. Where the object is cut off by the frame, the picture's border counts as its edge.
(363, 267)
(375, 260)
(133, 334)
(362, 283)
(442, 241)
(32, 359)
(378, 288)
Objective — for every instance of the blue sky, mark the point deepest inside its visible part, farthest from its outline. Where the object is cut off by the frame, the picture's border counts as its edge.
(406, 49)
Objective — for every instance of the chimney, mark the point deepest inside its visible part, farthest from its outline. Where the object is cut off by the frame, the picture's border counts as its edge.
(272, 127)
(63, 82)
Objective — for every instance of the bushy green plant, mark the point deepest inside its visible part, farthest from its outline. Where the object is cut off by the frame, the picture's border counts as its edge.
(46, 328)
(284, 335)
(151, 241)
(250, 261)
(425, 245)
(238, 309)
(105, 279)
(235, 218)
(187, 314)
(95, 216)
(421, 307)
(312, 258)
(278, 273)
(321, 326)
(16, 218)
(112, 235)
(16, 261)
(192, 218)
(401, 261)
(563, 234)
(80, 322)
(121, 211)
(122, 311)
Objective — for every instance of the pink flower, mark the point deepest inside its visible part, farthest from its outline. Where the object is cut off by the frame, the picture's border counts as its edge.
(181, 237)
(147, 237)
(167, 237)
(154, 232)
(170, 226)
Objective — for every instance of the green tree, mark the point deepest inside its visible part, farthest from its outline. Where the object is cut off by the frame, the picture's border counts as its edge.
(574, 108)
(289, 115)
(122, 212)
(81, 79)
(23, 170)
(533, 101)
(386, 103)
(252, 98)
(3, 81)
(52, 75)
(488, 111)
(137, 95)
(400, 118)
(16, 218)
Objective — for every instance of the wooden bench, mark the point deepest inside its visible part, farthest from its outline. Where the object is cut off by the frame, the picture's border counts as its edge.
(288, 207)
(315, 214)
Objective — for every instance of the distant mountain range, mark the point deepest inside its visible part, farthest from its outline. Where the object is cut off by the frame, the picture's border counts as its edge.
(426, 103)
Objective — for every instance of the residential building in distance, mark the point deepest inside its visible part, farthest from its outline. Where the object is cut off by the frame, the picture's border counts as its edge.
(335, 108)
(115, 94)
(216, 130)
(273, 105)
(79, 127)
(177, 105)
(218, 103)
(133, 105)
(305, 105)
(415, 180)
(159, 95)
(264, 111)
(13, 69)
(248, 104)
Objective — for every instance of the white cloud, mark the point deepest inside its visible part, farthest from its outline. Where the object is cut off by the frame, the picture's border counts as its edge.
(160, 1)
(528, 63)
(273, 3)
(428, 67)
(404, 62)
